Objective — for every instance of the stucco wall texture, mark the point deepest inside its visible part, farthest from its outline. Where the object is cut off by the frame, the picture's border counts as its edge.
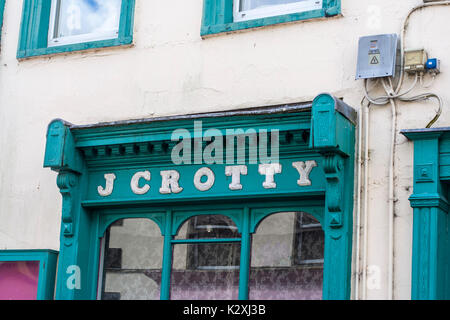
(171, 70)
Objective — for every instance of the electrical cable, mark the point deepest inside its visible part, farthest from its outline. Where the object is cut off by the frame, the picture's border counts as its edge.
(433, 77)
(383, 100)
(403, 36)
(425, 96)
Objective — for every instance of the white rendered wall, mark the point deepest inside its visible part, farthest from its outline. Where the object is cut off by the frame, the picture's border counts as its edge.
(170, 70)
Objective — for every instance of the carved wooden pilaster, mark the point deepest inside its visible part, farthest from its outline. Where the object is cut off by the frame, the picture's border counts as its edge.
(333, 135)
(430, 272)
(75, 257)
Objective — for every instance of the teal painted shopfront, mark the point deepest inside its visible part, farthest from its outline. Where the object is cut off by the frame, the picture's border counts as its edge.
(137, 224)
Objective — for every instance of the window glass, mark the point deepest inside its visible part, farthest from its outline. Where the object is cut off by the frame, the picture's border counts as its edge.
(132, 260)
(75, 21)
(287, 258)
(255, 9)
(308, 241)
(208, 226)
(204, 271)
(254, 4)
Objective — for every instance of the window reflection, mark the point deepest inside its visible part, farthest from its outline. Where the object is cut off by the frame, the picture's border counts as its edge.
(86, 17)
(210, 255)
(208, 226)
(287, 258)
(308, 240)
(203, 271)
(218, 279)
(132, 260)
(254, 4)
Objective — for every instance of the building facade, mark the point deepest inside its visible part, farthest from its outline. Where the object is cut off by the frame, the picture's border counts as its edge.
(224, 149)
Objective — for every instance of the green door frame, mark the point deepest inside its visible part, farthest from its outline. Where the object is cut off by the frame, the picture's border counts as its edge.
(83, 156)
(431, 237)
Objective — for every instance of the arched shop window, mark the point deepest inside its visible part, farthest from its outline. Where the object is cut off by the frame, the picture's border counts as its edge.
(286, 254)
(287, 258)
(131, 260)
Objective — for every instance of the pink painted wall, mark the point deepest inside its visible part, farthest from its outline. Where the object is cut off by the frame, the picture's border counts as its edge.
(19, 280)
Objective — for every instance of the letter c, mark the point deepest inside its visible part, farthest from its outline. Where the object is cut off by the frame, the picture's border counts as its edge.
(135, 182)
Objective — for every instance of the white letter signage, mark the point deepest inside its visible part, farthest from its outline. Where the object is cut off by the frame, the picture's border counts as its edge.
(269, 170)
(135, 182)
(104, 192)
(204, 178)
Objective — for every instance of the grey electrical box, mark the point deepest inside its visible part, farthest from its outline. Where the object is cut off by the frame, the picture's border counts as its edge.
(377, 56)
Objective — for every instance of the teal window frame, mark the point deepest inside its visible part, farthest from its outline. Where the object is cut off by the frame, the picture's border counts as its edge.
(47, 268)
(170, 219)
(218, 16)
(33, 39)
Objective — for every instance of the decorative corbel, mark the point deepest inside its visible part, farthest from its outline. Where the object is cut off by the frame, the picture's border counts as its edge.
(66, 182)
(333, 165)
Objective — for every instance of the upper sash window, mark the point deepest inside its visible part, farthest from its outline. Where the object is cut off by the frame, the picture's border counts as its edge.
(77, 21)
(255, 9)
(60, 26)
(233, 15)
